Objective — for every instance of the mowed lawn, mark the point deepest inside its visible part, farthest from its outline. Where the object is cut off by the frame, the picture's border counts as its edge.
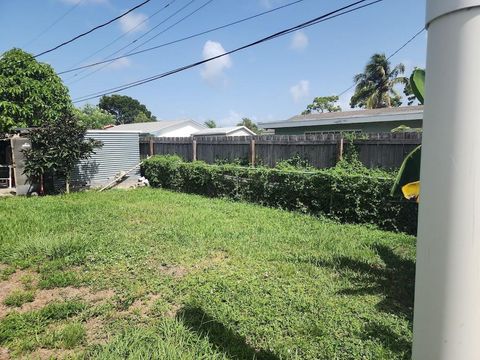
(152, 274)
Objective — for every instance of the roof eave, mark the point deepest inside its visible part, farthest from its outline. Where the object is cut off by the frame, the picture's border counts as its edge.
(345, 120)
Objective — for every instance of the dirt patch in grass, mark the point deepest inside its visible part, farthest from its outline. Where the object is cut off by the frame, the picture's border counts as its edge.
(96, 334)
(173, 311)
(14, 282)
(215, 258)
(4, 354)
(175, 271)
(43, 297)
(47, 354)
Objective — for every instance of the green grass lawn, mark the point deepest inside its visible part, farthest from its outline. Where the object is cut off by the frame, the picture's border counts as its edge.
(154, 274)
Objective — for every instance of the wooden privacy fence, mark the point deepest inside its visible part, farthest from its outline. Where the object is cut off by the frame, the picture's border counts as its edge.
(384, 150)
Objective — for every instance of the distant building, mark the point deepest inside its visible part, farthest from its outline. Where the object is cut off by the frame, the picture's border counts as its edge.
(174, 128)
(225, 131)
(371, 120)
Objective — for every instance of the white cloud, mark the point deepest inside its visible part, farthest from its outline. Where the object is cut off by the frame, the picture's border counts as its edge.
(299, 40)
(120, 64)
(213, 70)
(133, 22)
(300, 90)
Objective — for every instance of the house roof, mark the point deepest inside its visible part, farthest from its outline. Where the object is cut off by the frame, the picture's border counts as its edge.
(222, 131)
(405, 113)
(152, 127)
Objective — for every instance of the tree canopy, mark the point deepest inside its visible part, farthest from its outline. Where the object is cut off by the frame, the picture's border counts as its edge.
(92, 117)
(124, 108)
(31, 93)
(322, 104)
(210, 124)
(56, 149)
(141, 118)
(375, 87)
(249, 124)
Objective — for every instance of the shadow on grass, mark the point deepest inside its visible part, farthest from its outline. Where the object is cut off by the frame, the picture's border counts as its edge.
(227, 341)
(395, 280)
(397, 343)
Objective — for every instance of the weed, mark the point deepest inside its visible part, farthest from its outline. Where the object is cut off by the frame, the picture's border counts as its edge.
(19, 297)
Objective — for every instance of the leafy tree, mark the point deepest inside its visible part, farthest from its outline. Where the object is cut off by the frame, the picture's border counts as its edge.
(92, 117)
(210, 124)
(375, 87)
(56, 149)
(31, 93)
(142, 118)
(124, 108)
(248, 123)
(322, 104)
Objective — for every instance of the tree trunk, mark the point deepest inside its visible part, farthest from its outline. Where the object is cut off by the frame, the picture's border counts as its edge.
(41, 190)
(67, 184)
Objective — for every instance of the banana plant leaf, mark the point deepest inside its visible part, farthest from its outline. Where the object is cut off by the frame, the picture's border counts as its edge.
(417, 82)
(409, 171)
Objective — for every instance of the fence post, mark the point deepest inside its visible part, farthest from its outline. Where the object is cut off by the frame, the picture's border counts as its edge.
(194, 150)
(340, 148)
(252, 152)
(151, 147)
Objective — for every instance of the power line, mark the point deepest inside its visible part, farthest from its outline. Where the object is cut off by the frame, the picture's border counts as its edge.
(390, 56)
(92, 30)
(406, 44)
(183, 39)
(49, 27)
(169, 27)
(328, 16)
(125, 33)
(134, 41)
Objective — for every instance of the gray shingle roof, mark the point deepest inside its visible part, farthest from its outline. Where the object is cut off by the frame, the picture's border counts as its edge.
(404, 113)
(358, 113)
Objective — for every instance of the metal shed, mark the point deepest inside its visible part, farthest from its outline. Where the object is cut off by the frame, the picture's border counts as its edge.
(120, 152)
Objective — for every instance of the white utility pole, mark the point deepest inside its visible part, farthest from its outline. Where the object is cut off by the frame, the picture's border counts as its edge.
(447, 291)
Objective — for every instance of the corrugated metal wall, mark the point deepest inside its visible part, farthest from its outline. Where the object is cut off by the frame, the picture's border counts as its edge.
(120, 152)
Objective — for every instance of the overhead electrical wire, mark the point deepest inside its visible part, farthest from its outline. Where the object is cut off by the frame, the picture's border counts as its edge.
(328, 16)
(134, 41)
(49, 27)
(125, 33)
(169, 27)
(92, 29)
(418, 33)
(182, 39)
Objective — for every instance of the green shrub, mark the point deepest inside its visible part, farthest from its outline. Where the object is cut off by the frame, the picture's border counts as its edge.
(19, 297)
(347, 193)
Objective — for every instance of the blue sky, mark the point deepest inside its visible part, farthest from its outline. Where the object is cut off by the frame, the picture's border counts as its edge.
(272, 81)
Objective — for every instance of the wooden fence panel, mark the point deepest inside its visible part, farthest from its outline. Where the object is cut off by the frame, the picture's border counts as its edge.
(384, 150)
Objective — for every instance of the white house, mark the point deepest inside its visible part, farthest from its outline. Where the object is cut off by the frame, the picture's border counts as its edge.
(225, 131)
(174, 128)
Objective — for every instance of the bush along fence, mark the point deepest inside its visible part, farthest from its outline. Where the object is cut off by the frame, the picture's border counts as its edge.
(375, 150)
(347, 193)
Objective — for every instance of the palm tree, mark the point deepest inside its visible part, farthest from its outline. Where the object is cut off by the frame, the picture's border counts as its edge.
(375, 87)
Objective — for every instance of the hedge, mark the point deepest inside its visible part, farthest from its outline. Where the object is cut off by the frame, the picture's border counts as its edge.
(346, 194)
